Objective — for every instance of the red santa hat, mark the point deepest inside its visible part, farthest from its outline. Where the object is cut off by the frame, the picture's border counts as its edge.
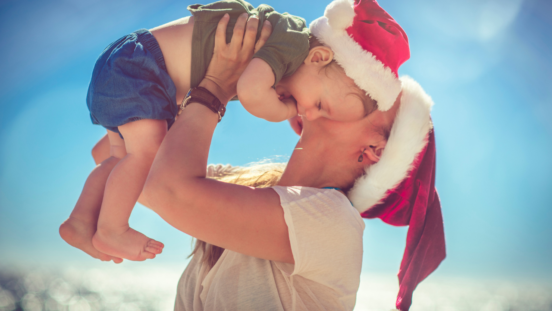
(400, 188)
(368, 43)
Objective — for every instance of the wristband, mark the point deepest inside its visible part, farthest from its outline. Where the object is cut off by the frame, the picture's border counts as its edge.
(203, 96)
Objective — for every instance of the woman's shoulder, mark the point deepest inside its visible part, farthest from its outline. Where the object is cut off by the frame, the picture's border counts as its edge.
(292, 193)
(325, 233)
(328, 203)
(289, 194)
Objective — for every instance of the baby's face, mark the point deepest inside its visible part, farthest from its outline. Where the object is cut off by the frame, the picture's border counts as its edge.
(328, 93)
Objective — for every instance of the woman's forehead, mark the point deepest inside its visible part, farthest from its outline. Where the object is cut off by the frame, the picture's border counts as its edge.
(377, 123)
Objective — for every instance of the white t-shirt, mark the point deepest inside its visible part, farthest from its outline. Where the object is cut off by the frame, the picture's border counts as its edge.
(325, 232)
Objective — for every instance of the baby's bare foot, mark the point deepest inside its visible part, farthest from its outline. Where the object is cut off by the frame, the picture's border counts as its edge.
(79, 233)
(128, 243)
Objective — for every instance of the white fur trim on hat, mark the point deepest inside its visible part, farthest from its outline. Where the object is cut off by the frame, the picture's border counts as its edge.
(340, 14)
(407, 139)
(369, 74)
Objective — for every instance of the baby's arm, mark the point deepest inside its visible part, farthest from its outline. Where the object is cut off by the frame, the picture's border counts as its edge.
(259, 98)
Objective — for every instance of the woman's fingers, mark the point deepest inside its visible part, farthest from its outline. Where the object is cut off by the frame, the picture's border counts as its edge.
(237, 36)
(250, 35)
(230, 59)
(265, 33)
(220, 34)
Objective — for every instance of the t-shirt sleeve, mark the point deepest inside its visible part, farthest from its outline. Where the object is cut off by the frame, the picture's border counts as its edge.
(325, 232)
(288, 45)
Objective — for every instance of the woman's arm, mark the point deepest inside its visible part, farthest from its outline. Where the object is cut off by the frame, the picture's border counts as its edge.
(243, 219)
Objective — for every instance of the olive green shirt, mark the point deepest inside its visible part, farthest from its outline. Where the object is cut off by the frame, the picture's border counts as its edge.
(285, 50)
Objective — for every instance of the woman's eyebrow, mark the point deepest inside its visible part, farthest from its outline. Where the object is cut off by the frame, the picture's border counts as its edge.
(385, 131)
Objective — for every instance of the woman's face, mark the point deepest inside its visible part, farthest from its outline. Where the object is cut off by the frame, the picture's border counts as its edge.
(331, 149)
(350, 135)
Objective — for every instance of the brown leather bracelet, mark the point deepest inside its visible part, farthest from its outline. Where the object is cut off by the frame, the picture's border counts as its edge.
(203, 96)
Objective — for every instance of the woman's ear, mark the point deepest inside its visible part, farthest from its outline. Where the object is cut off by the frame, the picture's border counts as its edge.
(319, 56)
(373, 152)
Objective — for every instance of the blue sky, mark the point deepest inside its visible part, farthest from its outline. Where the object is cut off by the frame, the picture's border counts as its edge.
(484, 62)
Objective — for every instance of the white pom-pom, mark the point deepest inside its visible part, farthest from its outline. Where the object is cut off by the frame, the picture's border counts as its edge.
(340, 14)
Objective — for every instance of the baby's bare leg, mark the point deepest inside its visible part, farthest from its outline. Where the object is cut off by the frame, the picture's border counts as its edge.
(80, 227)
(101, 150)
(123, 187)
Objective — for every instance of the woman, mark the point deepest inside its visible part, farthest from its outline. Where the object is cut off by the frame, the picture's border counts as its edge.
(297, 245)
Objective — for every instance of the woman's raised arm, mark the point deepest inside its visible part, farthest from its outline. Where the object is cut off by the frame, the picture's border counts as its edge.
(242, 219)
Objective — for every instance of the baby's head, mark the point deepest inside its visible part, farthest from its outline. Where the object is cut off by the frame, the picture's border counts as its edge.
(351, 68)
(322, 89)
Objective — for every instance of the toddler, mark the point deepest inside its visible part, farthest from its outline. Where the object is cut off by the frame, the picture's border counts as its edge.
(139, 79)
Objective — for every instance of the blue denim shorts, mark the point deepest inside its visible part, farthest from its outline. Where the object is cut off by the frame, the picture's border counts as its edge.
(130, 82)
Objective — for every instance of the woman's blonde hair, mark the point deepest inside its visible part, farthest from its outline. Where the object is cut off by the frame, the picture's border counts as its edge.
(260, 175)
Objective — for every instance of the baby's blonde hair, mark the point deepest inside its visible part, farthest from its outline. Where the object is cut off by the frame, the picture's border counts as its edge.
(259, 175)
(369, 104)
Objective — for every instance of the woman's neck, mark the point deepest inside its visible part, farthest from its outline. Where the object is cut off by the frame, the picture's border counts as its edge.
(302, 170)
(311, 166)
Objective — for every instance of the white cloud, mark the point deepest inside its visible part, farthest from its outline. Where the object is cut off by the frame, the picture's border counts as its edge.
(495, 17)
(460, 40)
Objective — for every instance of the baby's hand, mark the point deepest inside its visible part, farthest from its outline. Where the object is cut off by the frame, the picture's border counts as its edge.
(291, 105)
(296, 124)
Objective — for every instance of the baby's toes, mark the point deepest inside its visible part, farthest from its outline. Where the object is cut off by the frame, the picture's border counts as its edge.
(154, 247)
(101, 256)
(147, 255)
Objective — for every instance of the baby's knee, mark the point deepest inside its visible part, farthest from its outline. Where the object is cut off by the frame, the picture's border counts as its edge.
(118, 152)
(98, 155)
(100, 152)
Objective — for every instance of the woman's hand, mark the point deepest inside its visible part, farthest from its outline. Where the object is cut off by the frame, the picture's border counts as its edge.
(229, 60)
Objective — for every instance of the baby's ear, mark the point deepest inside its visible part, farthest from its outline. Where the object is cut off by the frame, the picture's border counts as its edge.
(319, 56)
